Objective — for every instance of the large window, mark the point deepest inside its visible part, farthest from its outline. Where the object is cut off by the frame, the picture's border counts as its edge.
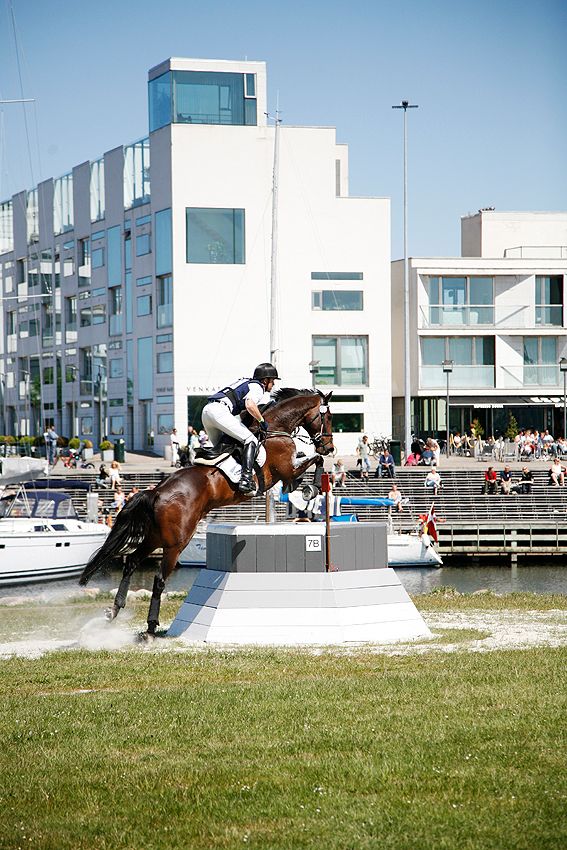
(540, 360)
(165, 362)
(115, 310)
(549, 300)
(164, 264)
(114, 258)
(145, 368)
(165, 301)
(473, 361)
(461, 300)
(143, 244)
(335, 299)
(63, 203)
(215, 235)
(343, 360)
(202, 97)
(6, 227)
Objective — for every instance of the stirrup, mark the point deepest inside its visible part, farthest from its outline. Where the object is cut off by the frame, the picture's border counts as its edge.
(246, 484)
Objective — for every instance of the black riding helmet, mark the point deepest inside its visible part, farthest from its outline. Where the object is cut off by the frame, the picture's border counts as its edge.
(265, 370)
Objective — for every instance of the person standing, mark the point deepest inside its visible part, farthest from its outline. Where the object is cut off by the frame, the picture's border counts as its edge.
(192, 443)
(174, 443)
(50, 438)
(363, 452)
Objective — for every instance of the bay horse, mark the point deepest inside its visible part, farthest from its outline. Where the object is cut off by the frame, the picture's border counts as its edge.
(167, 516)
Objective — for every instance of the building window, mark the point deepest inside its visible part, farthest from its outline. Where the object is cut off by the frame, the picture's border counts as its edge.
(540, 361)
(144, 305)
(165, 301)
(337, 276)
(137, 173)
(343, 360)
(164, 423)
(85, 317)
(116, 367)
(473, 361)
(98, 258)
(215, 235)
(160, 103)
(63, 204)
(549, 300)
(165, 361)
(84, 252)
(99, 314)
(461, 300)
(145, 368)
(143, 244)
(164, 263)
(348, 423)
(6, 227)
(115, 310)
(114, 259)
(86, 426)
(97, 190)
(336, 299)
(116, 425)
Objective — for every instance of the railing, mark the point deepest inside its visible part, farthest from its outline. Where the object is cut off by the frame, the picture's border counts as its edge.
(549, 314)
(532, 252)
(489, 377)
(165, 315)
(475, 315)
(517, 377)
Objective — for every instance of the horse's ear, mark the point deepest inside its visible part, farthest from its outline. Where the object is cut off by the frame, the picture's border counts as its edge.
(327, 398)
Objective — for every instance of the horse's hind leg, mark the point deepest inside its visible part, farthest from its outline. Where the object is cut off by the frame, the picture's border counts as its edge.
(168, 563)
(122, 592)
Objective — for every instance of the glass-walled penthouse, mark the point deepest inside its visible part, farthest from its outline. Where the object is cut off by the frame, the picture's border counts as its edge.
(202, 97)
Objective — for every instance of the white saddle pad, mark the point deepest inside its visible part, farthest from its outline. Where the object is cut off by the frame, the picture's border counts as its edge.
(232, 469)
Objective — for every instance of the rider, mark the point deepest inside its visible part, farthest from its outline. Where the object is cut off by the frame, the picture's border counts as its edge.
(221, 415)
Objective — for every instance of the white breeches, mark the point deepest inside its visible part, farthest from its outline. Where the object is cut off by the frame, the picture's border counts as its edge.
(218, 420)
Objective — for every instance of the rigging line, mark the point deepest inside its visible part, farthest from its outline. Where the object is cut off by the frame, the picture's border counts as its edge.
(19, 67)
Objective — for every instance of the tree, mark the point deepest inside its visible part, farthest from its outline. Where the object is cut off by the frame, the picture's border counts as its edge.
(512, 429)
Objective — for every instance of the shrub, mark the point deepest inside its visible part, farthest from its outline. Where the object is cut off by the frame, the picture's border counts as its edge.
(105, 445)
(87, 444)
(10, 440)
(476, 428)
(74, 443)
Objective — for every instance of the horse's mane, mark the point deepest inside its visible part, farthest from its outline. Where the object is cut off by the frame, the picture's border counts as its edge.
(289, 392)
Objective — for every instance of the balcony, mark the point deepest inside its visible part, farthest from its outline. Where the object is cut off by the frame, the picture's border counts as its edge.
(549, 315)
(476, 315)
(463, 377)
(518, 377)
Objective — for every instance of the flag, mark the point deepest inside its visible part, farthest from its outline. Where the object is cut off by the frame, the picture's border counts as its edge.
(430, 525)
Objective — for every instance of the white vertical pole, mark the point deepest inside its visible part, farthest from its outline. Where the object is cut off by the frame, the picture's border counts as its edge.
(274, 352)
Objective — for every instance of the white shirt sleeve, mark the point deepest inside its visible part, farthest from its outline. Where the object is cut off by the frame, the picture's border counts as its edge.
(256, 393)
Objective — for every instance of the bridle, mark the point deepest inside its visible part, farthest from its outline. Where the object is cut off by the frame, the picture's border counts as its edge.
(316, 439)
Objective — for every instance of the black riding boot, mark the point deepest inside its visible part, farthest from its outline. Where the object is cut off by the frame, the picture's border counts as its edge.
(246, 484)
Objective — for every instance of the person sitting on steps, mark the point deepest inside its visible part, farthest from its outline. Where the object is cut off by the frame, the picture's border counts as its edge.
(221, 415)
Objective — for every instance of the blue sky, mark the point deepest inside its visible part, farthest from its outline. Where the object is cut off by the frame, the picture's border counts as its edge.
(489, 77)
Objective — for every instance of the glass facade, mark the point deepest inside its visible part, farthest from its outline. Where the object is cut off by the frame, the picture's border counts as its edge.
(473, 361)
(97, 190)
(540, 360)
(202, 97)
(461, 300)
(137, 173)
(165, 301)
(114, 256)
(63, 204)
(215, 235)
(145, 368)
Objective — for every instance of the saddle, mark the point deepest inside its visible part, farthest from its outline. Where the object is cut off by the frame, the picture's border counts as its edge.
(213, 455)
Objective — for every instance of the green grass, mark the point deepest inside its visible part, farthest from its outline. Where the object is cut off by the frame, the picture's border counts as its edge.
(448, 599)
(284, 750)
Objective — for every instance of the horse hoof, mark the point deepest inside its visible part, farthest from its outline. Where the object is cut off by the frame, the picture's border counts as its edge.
(147, 638)
(111, 613)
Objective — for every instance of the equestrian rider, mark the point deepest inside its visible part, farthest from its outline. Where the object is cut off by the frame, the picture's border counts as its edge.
(221, 415)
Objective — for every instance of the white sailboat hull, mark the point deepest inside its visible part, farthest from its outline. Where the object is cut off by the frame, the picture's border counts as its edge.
(27, 555)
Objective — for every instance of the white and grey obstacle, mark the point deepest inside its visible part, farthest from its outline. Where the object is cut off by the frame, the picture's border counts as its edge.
(266, 585)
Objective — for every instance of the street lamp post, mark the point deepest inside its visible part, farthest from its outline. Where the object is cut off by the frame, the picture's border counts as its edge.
(563, 367)
(405, 105)
(314, 369)
(447, 368)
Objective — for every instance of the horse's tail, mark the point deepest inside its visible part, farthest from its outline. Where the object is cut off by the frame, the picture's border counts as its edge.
(129, 531)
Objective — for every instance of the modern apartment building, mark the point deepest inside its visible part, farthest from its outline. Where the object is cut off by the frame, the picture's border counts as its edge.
(498, 314)
(137, 284)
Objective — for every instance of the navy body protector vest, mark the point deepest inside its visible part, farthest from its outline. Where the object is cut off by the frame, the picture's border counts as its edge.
(236, 393)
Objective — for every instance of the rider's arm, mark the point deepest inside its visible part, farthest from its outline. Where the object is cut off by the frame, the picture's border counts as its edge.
(253, 410)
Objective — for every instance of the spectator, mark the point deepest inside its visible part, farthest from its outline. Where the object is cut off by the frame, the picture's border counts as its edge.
(433, 480)
(174, 443)
(386, 465)
(115, 480)
(192, 443)
(103, 478)
(132, 493)
(396, 497)
(363, 452)
(338, 473)
(427, 458)
(525, 484)
(119, 498)
(50, 438)
(506, 481)
(457, 442)
(433, 445)
(203, 438)
(557, 474)
(413, 459)
(489, 481)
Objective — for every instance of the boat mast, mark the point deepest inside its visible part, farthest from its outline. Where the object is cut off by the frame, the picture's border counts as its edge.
(274, 351)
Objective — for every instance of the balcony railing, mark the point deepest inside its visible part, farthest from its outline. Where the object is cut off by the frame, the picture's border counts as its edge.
(490, 315)
(492, 377)
(165, 315)
(549, 315)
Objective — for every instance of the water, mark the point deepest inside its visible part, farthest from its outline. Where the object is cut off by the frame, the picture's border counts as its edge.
(536, 578)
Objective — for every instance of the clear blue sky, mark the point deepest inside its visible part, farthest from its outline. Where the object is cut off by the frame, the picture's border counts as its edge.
(489, 77)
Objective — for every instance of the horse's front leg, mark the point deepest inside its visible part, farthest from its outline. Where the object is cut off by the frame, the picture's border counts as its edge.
(168, 563)
(301, 465)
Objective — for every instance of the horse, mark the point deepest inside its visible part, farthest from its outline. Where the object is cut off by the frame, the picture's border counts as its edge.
(167, 516)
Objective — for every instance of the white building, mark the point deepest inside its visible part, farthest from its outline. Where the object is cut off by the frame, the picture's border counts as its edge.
(136, 285)
(498, 313)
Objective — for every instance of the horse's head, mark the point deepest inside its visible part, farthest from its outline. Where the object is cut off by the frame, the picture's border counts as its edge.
(318, 424)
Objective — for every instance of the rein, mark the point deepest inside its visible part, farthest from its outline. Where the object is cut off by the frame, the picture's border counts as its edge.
(315, 439)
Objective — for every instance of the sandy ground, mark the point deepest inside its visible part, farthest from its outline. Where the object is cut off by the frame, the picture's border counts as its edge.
(84, 627)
